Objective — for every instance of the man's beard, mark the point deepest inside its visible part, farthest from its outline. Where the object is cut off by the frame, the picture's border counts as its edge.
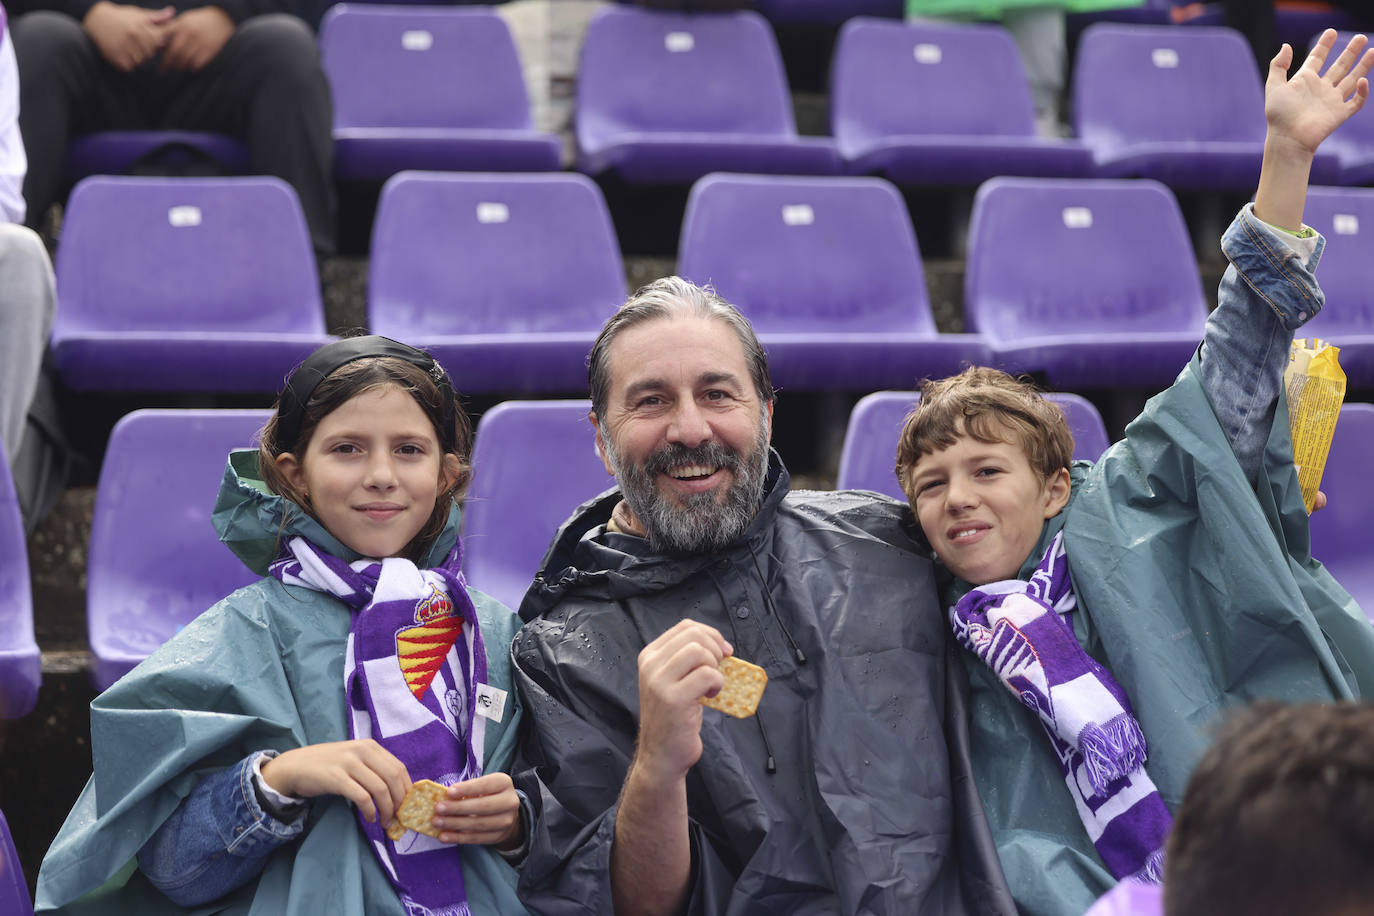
(702, 523)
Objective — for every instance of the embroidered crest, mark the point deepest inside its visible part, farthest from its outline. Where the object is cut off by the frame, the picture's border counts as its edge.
(421, 649)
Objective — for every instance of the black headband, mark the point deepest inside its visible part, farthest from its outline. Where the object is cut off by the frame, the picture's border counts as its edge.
(324, 361)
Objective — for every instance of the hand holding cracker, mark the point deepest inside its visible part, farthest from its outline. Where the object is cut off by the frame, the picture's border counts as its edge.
(361, 771)
(676, 671)
(484, 811)
(744, 683)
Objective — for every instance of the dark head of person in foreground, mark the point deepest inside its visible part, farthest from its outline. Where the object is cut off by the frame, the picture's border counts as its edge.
(1278, 817)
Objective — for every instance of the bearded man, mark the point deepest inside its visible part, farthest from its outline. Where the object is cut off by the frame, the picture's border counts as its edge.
(848, 791)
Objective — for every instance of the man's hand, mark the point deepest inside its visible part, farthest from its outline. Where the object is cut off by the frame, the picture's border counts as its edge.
(126, 36)
(362, 771)
(195, 37)
(482, 811)
(675, 672)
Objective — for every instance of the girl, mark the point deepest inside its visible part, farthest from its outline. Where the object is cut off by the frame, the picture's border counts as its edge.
(254, 762)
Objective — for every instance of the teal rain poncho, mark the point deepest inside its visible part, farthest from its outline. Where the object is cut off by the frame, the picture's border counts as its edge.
(261, 669)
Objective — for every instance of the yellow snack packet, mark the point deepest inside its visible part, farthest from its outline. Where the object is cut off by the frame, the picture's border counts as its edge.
(1315, 384)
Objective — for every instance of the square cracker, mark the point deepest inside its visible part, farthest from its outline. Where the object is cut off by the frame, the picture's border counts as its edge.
(744, 683)
(417, 810)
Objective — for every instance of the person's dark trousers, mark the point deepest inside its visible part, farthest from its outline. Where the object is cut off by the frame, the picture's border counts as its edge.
(265, 86)
(1255, 20)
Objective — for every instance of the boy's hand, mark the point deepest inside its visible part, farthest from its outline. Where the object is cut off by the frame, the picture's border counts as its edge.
(1303, 111)
(482, 811)
(362, 771)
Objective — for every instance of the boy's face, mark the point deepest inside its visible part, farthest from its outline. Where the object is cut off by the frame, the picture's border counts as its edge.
(982, 506)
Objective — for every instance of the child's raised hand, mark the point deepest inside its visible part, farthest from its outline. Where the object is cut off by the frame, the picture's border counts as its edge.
(483, 811)
(362, 771)
(1305, 110)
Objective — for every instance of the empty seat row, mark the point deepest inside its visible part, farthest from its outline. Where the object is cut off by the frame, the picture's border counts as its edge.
(1091, 283)
(142, 590)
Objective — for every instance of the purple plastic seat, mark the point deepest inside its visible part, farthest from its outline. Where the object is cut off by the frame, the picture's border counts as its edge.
(184, 284)
(155, 561)
(1182, 106)
(1091, 282)
(828, 12)
(936, 104)
(515, 505)
(14, 888)
(506, 279)
(668, 97)
(875, 425)
(115, 152)
(829, 273)
(424, 87)
(1340, 532)
(1353, 141)
(20, 664)
(1346, 217)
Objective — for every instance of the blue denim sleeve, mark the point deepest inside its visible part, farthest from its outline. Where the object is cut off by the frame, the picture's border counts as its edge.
(218, 839)
(1269, 290)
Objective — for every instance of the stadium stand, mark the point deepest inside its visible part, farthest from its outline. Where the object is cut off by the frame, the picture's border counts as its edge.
(934, 104)
(1091, 283)
(829, 272)
(155, 562)
(204, 284)
(117, 152)
(1345, 216)
(428, 88)
(668, 97)
(875, 424)
(1340, 532)
(507, 524)
(14, 892)
(1182, 106)
(20, 665)
(506, 279)
(827, 12)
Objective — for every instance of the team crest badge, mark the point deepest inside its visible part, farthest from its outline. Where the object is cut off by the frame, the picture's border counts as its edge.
(422, 649)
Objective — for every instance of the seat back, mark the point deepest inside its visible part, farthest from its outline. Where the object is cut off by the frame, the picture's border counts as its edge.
(875, 426)
(422, 66)
(1138, 83)
(515, 504)
(155, 560)
(1340, 532)
(20, 666)
(648, 70)
(14, 888)
(807, 254)
(186, 254)
(891, 79)
(474, 254)
(1345, 216)
(1053, 257)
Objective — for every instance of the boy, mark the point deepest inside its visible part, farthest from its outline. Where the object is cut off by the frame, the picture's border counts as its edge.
(1184, 552)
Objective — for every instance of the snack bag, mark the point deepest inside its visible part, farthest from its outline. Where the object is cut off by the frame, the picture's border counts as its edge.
(1315, 385)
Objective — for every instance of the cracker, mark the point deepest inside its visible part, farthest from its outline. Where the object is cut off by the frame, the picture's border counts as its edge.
(417, 810)
(744, 683)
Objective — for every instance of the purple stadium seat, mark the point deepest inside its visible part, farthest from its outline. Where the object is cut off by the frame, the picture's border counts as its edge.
(428, 88)
(20, 665)
(1182, 106)
(184, 284)
(667, 97)
(508, 524)
(828, 12)
(14, 888)
(1340, 532)
(828, 271)
(875, 424)
(933, 104)
(1091, 282)
(155, 561)
(1346, 217)
(506, 279)
(1353, 141)
(115, 152)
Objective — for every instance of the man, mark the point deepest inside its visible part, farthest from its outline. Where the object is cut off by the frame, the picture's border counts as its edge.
(239, 67)
(848, 791)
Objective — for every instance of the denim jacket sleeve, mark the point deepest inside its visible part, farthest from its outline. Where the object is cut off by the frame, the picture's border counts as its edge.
(1269, 290)
(217, 840)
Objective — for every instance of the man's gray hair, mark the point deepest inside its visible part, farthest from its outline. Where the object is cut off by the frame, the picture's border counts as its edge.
(670, 297)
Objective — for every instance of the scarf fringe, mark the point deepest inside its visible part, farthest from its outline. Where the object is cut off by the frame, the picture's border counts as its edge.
(1152, 872)
(1111, 750)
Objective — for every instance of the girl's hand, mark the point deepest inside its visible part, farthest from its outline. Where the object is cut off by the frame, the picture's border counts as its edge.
(361, 771)
(1305, 110)
(483, 811)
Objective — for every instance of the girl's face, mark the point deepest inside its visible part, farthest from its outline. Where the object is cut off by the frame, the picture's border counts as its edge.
(372, 471)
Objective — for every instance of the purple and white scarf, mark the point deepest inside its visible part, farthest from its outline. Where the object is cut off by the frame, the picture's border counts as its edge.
(414, 662)
(1020, 631)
